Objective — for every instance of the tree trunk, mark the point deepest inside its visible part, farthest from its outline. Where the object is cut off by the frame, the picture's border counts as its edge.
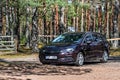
(108, 27)
(94, 27)
(62, 27)
(11, 20)
(77, 19)
(18, 27)
(45, 23)
(77, 24)
(1, 21)
(4, 23)
(7, 18)
(34, 31)
(115, 23)
(87, 20)
(100, 19)
(27, 29)
(82, 18)
(73, 22)
(56, 20)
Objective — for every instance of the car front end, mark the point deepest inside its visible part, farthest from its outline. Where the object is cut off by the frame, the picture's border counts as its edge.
(58, 55)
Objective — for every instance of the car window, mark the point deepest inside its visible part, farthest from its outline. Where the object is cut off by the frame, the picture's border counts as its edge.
(103, 38)
(88, 38)
(68, 38)
(99, 38)
(96, 38)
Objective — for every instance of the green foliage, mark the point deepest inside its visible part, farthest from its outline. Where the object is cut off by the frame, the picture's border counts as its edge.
(56, 2)
(31, 3)
(23, 39)
(84, 5)
(2, 2)
(71, 11)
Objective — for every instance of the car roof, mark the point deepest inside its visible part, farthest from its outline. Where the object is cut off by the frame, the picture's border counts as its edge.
(75, 33)
(82, 33)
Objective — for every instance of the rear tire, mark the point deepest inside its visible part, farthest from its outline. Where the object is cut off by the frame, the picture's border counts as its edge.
(105, 57)
(79, 59)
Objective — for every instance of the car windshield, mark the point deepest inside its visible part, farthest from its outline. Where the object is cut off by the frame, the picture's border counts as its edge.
(68, 38)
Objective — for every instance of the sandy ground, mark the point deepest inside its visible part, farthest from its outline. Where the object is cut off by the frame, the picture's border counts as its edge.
(89, 71)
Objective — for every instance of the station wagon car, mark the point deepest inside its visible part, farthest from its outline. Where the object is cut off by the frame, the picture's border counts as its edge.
(75, 48)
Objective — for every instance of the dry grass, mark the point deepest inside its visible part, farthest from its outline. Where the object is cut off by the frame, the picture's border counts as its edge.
(115, 52)
(17, 55)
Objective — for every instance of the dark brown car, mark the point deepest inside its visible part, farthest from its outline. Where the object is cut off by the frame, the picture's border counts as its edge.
(75, 47)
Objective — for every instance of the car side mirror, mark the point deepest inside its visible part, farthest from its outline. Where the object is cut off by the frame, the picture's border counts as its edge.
(89, 42)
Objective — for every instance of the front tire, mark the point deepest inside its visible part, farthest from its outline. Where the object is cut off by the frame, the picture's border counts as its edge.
(79, 59)
(105, 57)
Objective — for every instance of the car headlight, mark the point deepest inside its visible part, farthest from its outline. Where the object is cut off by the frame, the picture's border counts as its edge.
(68, 50)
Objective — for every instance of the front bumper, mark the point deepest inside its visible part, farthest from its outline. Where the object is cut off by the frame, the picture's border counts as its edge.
(60, 59)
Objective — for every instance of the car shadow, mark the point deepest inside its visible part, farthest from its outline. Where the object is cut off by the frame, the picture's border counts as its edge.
(111, 59)
(19, 68)
(114, 58)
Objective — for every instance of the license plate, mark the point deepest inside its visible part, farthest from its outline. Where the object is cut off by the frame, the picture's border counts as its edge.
(51, 57)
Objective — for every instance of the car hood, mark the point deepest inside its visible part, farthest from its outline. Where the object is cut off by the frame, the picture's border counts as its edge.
(58, 46)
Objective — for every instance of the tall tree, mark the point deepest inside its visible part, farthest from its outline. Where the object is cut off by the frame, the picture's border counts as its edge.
(115, 22)
(82, 18)
(35, 30)
(7, 17)
(0, 20)
(62, 15)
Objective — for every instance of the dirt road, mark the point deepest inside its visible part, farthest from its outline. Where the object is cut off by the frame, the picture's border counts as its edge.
(30, 68)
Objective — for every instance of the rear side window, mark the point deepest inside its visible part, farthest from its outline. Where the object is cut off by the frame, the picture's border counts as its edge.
(97, 38)
(104, 38)
(88, 38)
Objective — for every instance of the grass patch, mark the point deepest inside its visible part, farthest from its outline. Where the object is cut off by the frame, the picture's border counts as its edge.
(115, 52)
(16, 55)
(22, 52)
(4, 64)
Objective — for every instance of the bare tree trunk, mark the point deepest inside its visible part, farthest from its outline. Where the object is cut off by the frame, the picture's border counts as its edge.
(4, 24)
(7, 18)
(115, 23)
(77, 24)
(87, 20)
(18, 26)
(11, 20)
(44, 22)
(100, 19)
(82, 18)
(1, 21)
(111, 23)
(62, 26)
(73, 22)
(108, 26)
(119, 22)
(94, 27)
(56, 20)
(77, 18)
(27, 34)
(53, 22)
(91, 16)
(66, 21)
(34, 34)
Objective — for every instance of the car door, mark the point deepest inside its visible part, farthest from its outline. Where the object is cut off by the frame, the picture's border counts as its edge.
(88, 46)
(97, 44)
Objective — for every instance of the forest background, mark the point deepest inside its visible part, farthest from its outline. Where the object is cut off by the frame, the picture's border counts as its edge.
(34, 21)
